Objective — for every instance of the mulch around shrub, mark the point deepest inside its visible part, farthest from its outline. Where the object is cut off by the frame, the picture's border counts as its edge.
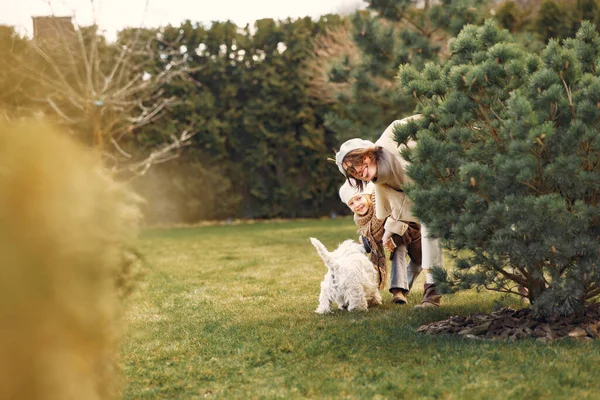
(509, 324)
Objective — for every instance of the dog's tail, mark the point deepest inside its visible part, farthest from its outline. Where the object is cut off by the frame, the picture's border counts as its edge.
(324, 254)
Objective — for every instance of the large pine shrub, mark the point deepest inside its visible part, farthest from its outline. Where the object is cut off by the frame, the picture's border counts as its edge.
(507, 169)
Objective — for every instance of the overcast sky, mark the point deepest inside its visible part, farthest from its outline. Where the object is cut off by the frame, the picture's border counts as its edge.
(113, 15)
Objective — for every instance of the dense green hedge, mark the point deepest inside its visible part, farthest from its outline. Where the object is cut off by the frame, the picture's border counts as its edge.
(263, 138)
(262, 147)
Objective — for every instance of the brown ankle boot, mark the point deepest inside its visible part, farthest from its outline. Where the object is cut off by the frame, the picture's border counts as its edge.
(399, 296)
(431, 298)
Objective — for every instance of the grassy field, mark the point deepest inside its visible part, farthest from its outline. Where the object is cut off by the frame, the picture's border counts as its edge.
(228, 312)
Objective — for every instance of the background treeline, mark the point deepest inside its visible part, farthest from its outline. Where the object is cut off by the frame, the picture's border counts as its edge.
(262, 144)
(269, 102)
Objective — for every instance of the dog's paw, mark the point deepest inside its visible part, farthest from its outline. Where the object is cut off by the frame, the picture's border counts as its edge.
(376, 300)
(360, 309)
(321, 310)
(362, 306)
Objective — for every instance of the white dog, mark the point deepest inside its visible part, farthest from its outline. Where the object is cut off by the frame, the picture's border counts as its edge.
(351, 279)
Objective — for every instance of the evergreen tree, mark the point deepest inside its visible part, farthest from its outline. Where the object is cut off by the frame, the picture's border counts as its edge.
(261, 146)
(507, 169)
(552, 21)
(510, 15)
(388, 33)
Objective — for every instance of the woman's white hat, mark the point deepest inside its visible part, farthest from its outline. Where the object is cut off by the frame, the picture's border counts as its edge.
(347, 147)
(348, 192)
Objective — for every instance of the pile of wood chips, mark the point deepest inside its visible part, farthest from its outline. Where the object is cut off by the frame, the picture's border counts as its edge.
(509, 324)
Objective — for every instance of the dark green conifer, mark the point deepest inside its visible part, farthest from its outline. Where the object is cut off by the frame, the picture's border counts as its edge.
(389, 33)
(507, 169)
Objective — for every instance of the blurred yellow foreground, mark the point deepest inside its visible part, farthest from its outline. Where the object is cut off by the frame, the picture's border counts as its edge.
(65, 230)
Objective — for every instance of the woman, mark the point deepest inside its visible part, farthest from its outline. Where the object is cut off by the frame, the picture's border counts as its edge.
(362, 202)
(363, 161)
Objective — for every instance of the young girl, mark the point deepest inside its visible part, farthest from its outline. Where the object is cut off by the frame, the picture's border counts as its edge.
(363, 161)
(362, 202)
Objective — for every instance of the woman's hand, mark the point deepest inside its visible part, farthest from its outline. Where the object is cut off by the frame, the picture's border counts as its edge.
(388, 243)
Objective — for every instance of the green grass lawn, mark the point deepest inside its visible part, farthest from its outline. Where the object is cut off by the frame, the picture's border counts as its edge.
(228, 312)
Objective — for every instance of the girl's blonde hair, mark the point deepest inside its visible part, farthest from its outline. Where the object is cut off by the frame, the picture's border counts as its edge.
(370, 198)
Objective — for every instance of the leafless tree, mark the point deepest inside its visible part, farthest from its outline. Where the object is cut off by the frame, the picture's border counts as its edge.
(103, 92)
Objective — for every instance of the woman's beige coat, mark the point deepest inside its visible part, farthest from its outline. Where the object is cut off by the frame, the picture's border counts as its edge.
(392, 203)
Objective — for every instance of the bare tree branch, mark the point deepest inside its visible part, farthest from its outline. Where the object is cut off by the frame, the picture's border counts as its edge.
(164, 153)
(107, 90)
(119, 149)
(58, 110)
